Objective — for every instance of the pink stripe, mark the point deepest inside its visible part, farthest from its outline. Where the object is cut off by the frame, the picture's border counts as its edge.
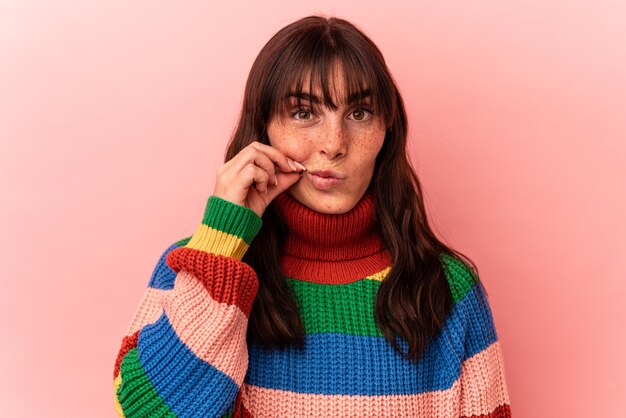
(213, 331)
(264, 402)
(149, 310)
(484, 382)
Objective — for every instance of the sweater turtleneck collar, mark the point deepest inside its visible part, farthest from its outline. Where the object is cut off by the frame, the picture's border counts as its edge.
(331, 248)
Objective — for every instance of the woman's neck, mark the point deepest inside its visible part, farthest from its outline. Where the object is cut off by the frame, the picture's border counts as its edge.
(331, 248)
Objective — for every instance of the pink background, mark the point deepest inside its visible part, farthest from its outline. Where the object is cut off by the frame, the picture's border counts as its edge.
(114, 118)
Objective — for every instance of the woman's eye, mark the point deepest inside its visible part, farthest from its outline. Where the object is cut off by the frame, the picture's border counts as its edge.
(362, 114)
(306, 113)
(302, 113)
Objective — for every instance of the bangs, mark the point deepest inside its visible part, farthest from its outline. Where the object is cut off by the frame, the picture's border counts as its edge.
(317, 56)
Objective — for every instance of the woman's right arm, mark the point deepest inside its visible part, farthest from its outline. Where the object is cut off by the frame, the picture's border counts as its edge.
(185, 353)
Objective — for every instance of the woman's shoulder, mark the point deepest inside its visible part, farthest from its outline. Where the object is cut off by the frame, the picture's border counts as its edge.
(462, 278)
(470, 295)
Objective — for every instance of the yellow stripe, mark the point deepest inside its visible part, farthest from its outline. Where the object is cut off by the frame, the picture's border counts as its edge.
(380, 276)
(116, 384)
(217, 242)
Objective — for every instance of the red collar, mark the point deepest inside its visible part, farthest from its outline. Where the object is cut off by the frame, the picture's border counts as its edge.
(331, 248)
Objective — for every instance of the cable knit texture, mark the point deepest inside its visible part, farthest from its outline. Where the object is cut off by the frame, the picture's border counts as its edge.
(185, 353)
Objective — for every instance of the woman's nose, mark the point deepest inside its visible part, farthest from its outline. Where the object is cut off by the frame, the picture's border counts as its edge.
(334, 139)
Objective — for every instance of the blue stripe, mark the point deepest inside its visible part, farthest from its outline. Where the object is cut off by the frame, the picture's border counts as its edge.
(163, 276)
(333, 363)
(190, 386)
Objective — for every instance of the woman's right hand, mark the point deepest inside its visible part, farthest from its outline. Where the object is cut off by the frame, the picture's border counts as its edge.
(249, 178)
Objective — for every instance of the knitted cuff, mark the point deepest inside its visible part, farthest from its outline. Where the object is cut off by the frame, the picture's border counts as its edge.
(227, 229)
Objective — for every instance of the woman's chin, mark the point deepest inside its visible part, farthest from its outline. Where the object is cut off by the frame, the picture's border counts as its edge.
(326, 201)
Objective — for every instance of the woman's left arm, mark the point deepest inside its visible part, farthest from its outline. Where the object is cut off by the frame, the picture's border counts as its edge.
(484, 390)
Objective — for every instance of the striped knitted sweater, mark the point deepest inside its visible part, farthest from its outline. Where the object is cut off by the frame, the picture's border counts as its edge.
(185, 352)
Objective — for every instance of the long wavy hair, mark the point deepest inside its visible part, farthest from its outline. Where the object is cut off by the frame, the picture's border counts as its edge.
(415, 297)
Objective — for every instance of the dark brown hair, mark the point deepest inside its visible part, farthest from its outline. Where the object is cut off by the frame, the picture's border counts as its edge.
(414, 298)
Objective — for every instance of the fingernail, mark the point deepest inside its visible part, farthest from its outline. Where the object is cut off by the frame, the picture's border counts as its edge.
(300, 165)
(290, 162)
(276, 181)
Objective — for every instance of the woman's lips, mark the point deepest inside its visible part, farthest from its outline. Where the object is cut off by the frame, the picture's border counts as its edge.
(323, 182)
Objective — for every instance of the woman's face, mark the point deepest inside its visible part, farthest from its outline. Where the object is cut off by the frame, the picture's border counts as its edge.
(345, 141)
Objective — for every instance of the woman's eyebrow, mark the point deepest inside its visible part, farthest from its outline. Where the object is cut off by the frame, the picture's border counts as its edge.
(355, 97)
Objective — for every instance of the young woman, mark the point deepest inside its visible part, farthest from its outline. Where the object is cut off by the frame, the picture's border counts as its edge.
(314, 285)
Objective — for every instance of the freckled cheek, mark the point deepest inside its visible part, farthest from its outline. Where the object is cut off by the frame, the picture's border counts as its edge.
(369, 145)
(298, 147)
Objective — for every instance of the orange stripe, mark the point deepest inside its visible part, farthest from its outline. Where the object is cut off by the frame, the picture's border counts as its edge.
(228, 280)
(128, 343)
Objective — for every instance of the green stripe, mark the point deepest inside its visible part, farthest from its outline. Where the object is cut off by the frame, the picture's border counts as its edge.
(349, 308)
(137, 394)
(232, 218)
(459, 274)
(342, 308)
